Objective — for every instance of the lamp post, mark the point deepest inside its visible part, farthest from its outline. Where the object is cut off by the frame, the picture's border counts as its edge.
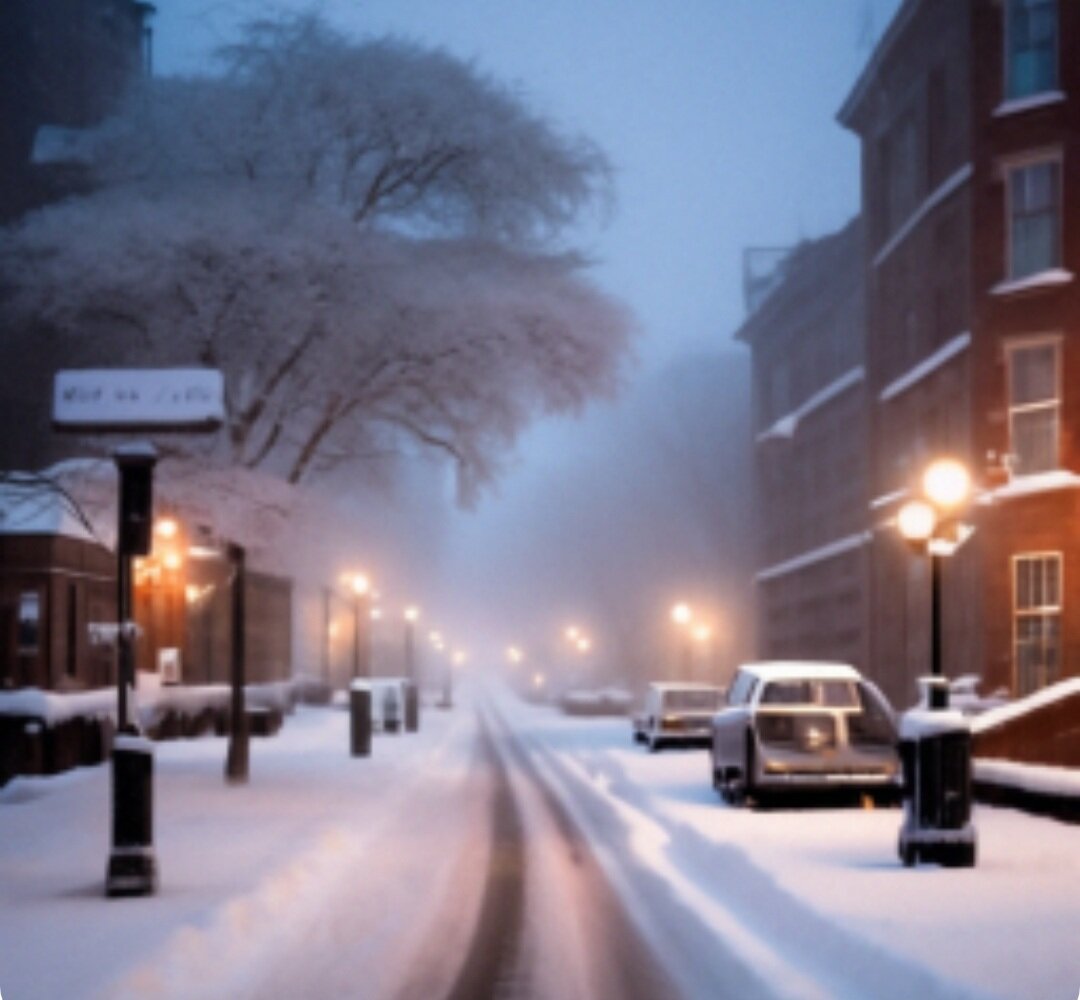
(411, 616)
(930, 526)
(361, 589)
(682, 616)
(935, 745)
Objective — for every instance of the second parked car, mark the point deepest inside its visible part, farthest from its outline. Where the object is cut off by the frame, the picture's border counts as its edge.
(799, 726)
(676, 713)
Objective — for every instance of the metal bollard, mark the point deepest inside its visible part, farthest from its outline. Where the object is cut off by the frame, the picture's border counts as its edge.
(132, 869)
(360, 719)
(412, 707)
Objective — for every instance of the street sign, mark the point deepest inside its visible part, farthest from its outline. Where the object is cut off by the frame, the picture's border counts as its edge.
(138, 399)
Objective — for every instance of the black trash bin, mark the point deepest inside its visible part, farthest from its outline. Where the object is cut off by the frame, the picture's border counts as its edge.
(412, 707)
(935, 753)
(360, 719)
(132, 867)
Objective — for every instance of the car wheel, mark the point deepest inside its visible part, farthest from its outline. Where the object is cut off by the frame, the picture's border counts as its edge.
(654, 744)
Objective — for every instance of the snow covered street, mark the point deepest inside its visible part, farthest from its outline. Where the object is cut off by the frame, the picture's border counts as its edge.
(332, 876)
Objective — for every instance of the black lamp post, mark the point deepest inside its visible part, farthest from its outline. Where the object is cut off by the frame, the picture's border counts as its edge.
(132, 867)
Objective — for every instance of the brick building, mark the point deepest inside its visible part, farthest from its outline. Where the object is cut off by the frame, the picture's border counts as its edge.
(63, 64)
(968, 114)
(805, 334)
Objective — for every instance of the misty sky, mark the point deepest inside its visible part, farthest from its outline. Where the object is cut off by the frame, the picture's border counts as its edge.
(719, 117)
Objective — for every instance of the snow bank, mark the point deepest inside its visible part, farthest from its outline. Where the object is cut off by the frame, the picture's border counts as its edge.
(1041, 779)
(1014, 710)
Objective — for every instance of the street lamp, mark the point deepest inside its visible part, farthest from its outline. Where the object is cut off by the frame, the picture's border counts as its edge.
(361, 588)
(936, 755)
(930, 526)
(682, 615)
(411, 616)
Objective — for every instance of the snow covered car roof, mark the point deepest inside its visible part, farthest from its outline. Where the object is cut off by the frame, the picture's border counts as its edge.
(802, 670)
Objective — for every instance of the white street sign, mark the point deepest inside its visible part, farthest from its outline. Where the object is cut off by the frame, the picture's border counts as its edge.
(124, 399)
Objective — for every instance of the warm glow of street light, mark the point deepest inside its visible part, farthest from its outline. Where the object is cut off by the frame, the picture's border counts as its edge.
(538, 681)
(412, 613)
(584, 644)
(166, 527)
(514, 655)
(702, 633)
(458, 658)
(172, 560)
(947, 483)
(360, 584)
(916, 521)
(572, 633)
(681, 614)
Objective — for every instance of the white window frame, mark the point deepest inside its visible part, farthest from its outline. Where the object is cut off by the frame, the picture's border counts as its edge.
(1007, 53)
(1041, 611)
(1009, 168)
(1034, 342)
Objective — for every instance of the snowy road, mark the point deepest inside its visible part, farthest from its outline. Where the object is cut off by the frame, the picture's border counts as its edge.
(507, 851)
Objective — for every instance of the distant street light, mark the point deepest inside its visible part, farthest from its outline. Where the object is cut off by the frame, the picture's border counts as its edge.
(682, 615)
(361, 589)
(411, 616)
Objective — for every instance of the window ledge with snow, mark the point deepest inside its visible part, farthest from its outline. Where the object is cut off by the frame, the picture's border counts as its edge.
(1038, 482)
(1018, 105)
(1050, 278)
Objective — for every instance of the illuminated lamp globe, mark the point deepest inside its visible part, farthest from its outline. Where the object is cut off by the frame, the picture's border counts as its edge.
(947, 483)
(916, 521)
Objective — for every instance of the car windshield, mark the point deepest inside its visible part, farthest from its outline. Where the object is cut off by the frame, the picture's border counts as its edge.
(829, 693)
(692, 701)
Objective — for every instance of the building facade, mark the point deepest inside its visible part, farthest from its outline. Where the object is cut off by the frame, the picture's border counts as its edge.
(968, 114)
(63, 65)
(805, 337)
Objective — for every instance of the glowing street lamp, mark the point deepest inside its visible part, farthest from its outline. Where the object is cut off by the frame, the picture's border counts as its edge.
(360, 585)
(681, 614)
(930, 526)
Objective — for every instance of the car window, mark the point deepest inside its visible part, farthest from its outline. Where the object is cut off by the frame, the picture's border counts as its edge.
(786, 693)
(742, 688)
(690, 701)
(829, 693)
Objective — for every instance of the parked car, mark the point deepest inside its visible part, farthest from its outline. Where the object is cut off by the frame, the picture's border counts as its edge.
(795, 726)
(676, 713)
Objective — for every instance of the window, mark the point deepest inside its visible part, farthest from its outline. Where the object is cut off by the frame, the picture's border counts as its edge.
(29, 621)
(1034, 218)
(1037, 594)
(1034, 406)
(1030, 47)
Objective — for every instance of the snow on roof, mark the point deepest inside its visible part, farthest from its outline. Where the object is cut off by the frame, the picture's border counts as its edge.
(820, 554)
(31, 506)
(801, 669)
(1015, 709)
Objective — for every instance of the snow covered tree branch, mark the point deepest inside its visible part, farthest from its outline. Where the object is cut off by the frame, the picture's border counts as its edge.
(363, 236)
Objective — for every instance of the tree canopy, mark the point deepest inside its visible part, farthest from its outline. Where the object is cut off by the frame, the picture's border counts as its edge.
(368, 238)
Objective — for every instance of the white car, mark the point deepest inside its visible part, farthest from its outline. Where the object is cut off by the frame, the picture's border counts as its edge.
(676, 712)
(799, 726)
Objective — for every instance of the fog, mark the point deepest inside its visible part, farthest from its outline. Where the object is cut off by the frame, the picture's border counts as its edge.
(718, 118)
